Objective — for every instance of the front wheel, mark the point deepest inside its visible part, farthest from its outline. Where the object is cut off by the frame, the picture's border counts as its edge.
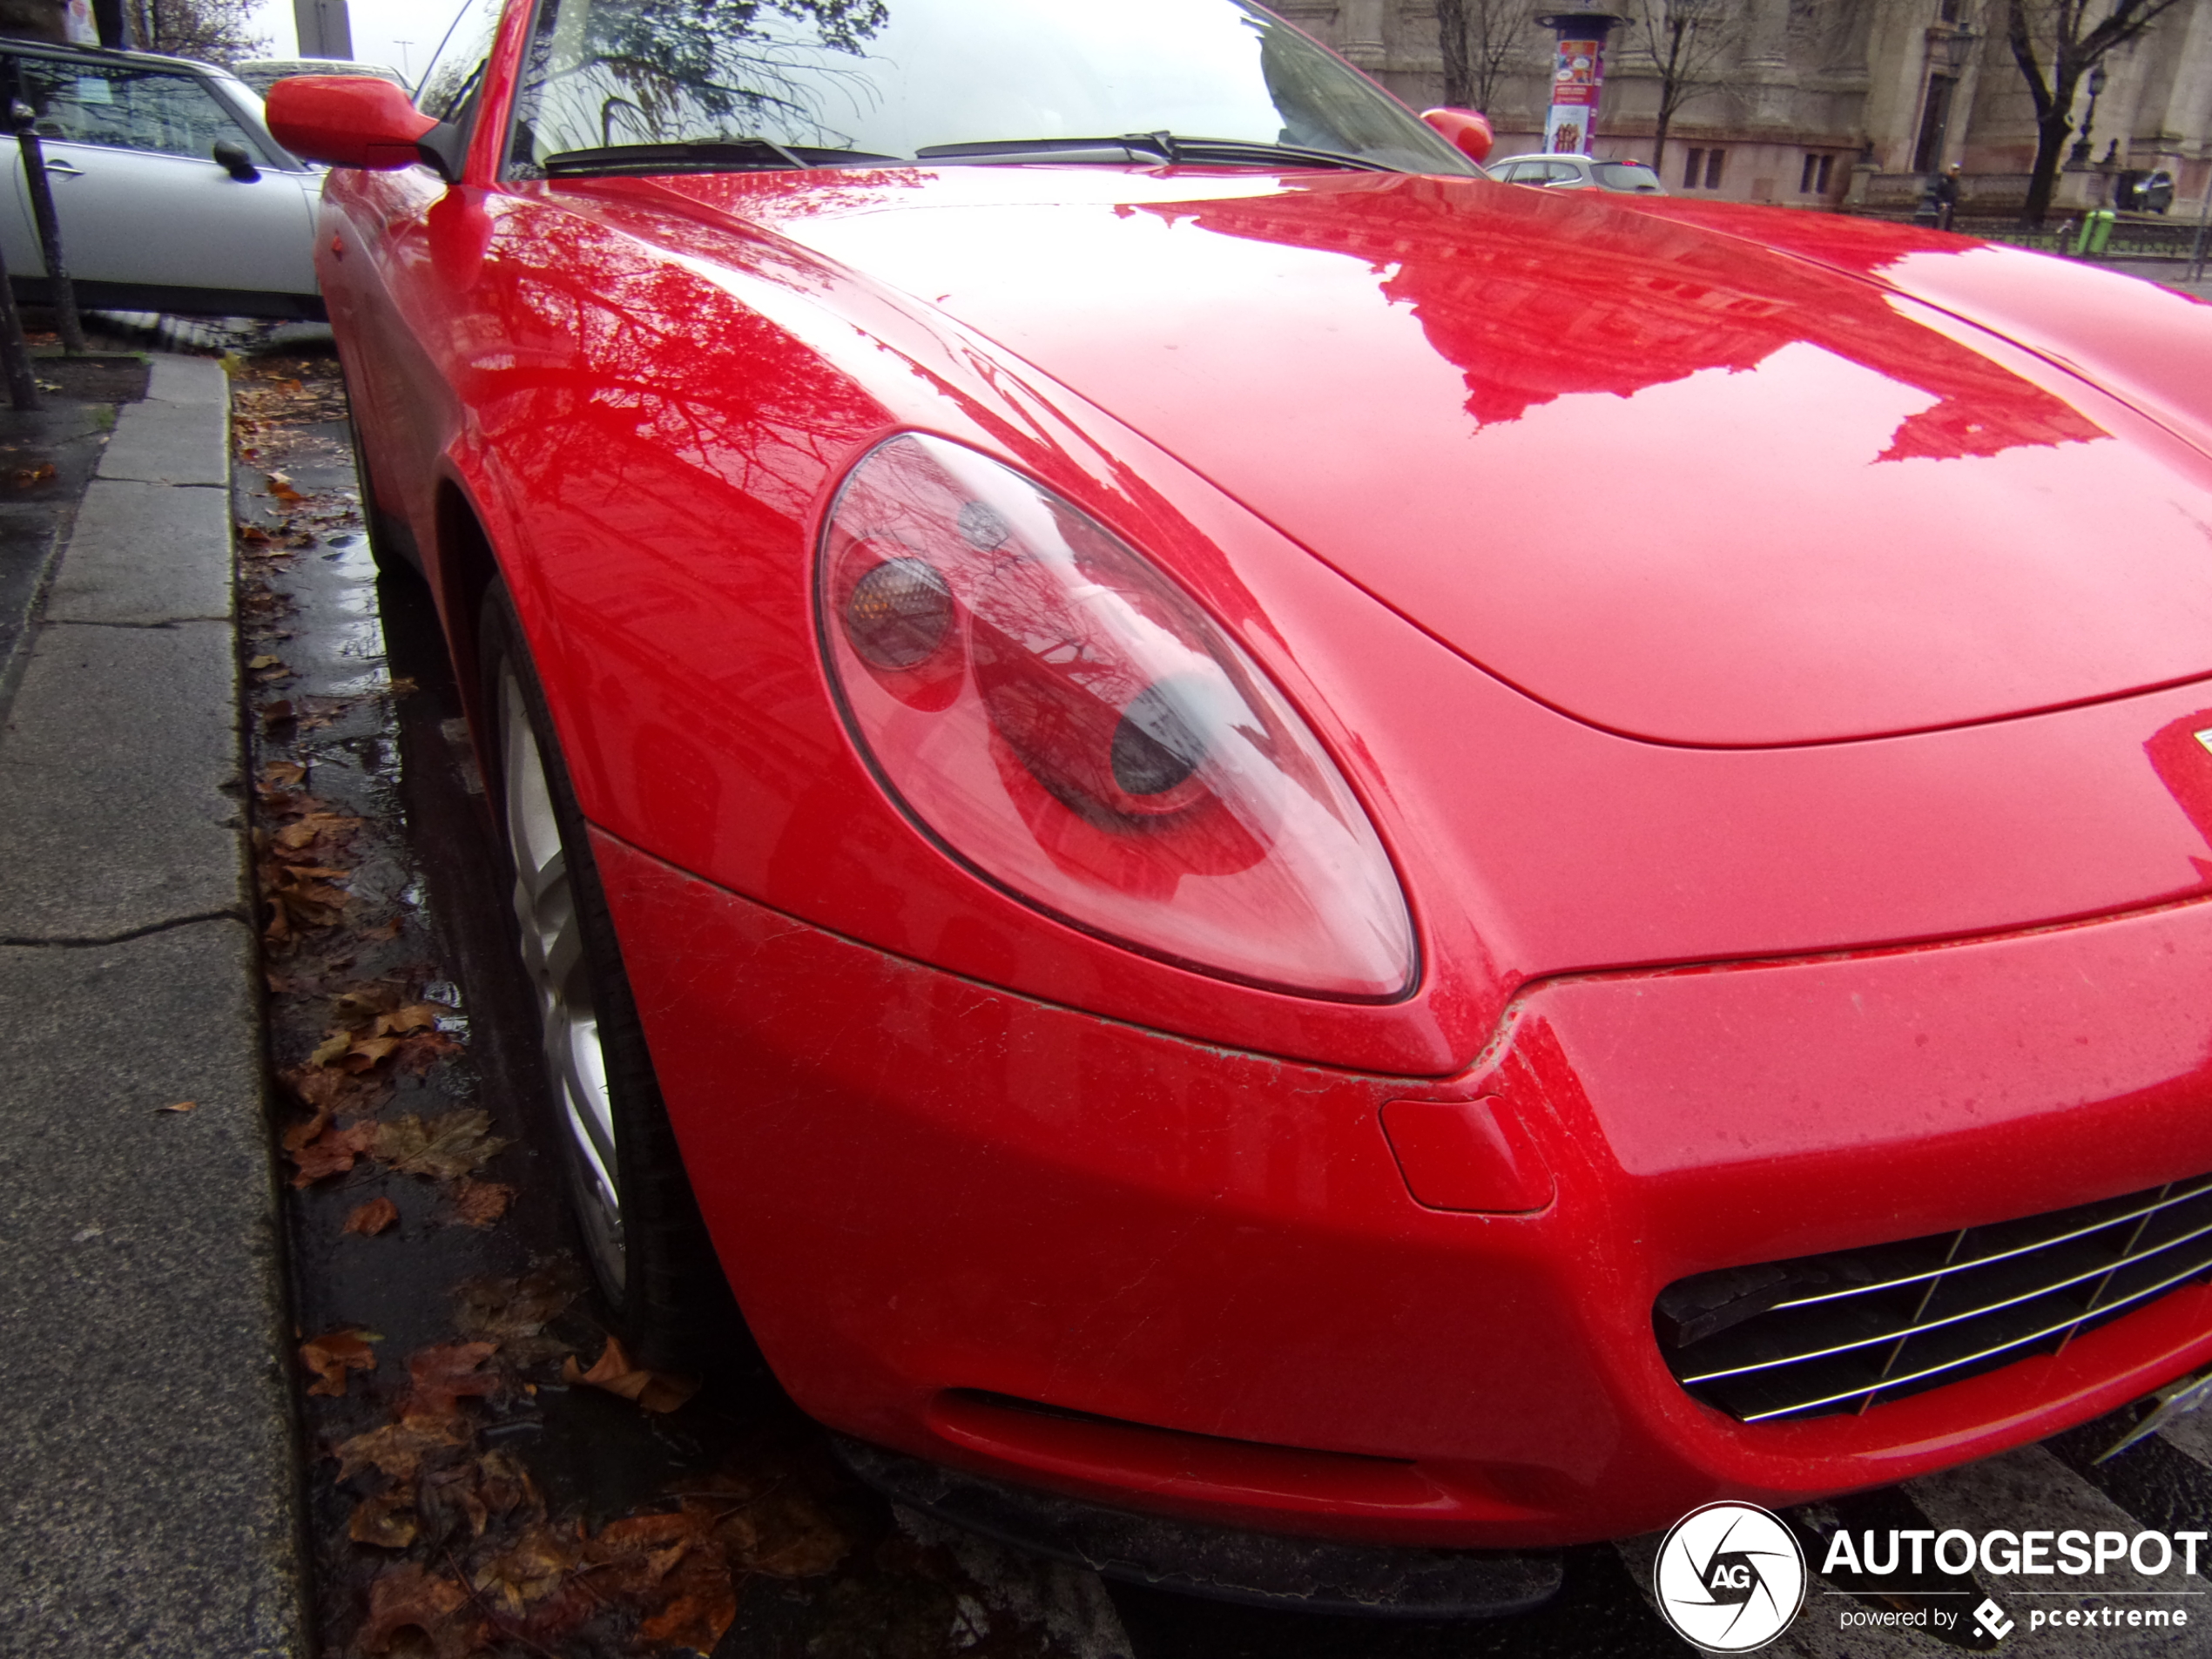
(633, 1203)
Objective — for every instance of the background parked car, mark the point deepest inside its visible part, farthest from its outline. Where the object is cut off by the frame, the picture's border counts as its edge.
(171, 194)
(2144, 192)
(1580, 172)
(262, 74)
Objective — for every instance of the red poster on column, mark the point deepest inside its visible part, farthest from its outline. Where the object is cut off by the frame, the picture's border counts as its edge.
(1578, 72)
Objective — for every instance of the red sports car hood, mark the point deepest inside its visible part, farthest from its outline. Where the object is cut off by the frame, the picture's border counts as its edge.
(1676, 483)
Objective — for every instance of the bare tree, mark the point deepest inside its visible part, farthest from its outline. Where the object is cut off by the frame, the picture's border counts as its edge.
(1689, 40)
(216, 31)
(2056, 44)
(1481, 38)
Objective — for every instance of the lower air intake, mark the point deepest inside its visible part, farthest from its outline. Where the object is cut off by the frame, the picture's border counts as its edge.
(1843, 1332)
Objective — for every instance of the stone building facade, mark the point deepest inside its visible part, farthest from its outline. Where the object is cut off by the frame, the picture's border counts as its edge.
(1829, 102)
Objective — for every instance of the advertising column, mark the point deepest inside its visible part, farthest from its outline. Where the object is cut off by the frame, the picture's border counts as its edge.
(1578, 75)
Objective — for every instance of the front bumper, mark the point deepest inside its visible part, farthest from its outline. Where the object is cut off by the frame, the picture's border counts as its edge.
(1014, 1238)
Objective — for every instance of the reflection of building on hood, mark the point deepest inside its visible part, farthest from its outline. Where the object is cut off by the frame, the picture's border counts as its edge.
(1642, 302)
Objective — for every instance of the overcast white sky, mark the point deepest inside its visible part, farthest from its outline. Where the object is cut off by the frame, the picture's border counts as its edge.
(379, 27)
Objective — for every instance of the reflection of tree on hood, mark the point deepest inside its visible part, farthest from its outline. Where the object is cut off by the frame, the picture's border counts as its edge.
(627, 72)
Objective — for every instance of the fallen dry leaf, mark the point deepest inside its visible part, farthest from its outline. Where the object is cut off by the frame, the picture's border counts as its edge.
(332, 1049)
(371, 1219)
(367, 1051)
(506, 1485)
(411, 1596)
(792, 1536)
(331, 1151)
(330, 1358)
(386, 1519)
(439, 1378)
(283, 773)
(416, 1017)
(281, 487)
(655, 1391)
(359, 1008)
(180, 1106)
(445, 1149)
(479, 1204)
(325, 1091)
(514, 1312)
(698, 1613)
(397, 1449)
(529, 1570)
(275, 714)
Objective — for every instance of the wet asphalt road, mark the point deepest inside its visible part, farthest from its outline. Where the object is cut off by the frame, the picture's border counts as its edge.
(371, 719)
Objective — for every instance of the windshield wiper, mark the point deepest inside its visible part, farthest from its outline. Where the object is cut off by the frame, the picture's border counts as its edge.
(721, 155)
(1171, 147)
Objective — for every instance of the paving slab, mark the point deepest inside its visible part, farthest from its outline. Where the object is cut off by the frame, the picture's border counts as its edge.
(121, 780)
(148, 1480)
(169, 441)
(197, 380)
(146, 553)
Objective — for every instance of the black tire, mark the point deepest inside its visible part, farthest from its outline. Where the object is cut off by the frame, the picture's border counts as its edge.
(649, 1250)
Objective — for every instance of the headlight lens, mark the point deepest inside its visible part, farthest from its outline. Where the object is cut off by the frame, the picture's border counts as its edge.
(1059, 717)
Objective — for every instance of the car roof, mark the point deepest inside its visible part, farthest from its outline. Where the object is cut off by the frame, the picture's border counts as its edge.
(111, 55)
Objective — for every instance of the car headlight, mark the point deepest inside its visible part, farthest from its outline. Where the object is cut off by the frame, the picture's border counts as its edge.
(1060, 718)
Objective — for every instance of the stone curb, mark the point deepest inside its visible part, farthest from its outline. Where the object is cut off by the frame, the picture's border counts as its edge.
(149, 1486)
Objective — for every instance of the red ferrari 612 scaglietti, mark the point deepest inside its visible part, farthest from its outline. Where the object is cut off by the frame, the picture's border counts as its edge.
(1321, 873)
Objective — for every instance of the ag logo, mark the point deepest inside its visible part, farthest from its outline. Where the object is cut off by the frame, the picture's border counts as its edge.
(1729, 1577)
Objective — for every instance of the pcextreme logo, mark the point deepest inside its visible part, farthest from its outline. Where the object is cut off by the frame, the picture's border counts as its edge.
(1729, 1577)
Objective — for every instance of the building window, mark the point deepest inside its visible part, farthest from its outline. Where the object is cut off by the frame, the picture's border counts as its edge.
(1815, 181)
(1691, 168)
(1935, 123)
(1713, 169)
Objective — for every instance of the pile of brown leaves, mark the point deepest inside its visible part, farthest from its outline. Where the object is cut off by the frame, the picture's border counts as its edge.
(486, 1563)
(298, 844)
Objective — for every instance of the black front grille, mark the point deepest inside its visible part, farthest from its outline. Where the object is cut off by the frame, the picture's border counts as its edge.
(1842, 1332)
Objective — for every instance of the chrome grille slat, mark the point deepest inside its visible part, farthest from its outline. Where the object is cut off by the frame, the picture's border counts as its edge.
(1777, 1341)
(2201, 1188)
(2102, 1270)
(1987, 1353)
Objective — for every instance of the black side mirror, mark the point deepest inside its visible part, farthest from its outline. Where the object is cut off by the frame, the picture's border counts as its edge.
(232, 156)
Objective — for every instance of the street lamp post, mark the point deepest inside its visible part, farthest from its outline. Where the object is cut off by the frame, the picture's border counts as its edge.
(2082, 146)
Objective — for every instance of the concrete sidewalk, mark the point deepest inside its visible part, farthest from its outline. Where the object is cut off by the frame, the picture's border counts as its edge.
(149, 1492)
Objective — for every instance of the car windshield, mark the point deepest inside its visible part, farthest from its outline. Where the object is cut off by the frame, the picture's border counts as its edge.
(771, 83)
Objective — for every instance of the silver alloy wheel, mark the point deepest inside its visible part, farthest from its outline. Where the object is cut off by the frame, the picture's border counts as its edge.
(553, 953)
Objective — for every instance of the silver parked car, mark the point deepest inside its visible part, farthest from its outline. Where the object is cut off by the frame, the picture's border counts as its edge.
(262, 74)
(170, 194)
(1579, 172)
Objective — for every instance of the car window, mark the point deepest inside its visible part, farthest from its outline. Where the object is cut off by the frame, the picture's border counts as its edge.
(126, 108)
(449, 90)
(1626, 175)
(885, 79)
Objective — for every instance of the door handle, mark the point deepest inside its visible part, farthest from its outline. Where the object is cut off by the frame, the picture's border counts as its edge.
(63, 167)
